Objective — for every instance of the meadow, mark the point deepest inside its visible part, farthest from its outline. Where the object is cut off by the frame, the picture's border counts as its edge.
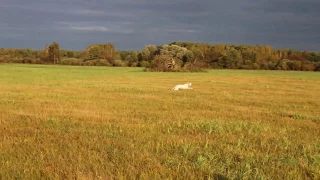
(75, 122)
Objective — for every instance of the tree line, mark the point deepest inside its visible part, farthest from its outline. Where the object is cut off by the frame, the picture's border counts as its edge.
(176, 56)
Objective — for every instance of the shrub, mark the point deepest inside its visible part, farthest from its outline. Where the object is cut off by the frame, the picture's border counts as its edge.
(144, 63)
(98, 62)
(215, 65)
(295, 65)
(195, 66)
(161, 63)
(256, 66)
(246, 67)
(317, 66)
(132, 63)
(102, 62)
(36, 61)
(27, 60)
(89, 63)
(264, 66)
(71, 61)
(119, 63)
(13, 60)
(272, 66)
(165, 63)
(308, 67)
(283, 64)
(2, 60)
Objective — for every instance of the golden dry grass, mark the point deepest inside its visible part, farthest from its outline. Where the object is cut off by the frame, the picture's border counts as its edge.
(63, 122)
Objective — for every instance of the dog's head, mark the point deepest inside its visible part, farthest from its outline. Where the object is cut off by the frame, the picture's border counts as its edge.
(189, 84)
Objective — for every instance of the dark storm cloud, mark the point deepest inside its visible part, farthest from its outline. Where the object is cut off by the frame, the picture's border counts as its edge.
(131, 24)
(285, 23)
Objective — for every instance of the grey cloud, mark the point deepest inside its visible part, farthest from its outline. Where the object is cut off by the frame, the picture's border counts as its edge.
(131, 24)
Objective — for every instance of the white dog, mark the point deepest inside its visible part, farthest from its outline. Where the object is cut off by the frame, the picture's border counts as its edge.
(182, 86)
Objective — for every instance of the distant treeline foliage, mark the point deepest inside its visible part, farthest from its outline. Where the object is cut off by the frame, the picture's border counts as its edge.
(176, 56)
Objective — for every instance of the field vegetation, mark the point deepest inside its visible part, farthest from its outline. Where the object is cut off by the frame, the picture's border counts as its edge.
(82, 122)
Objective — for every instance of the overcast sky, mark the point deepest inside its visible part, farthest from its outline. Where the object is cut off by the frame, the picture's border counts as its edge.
(132, 24)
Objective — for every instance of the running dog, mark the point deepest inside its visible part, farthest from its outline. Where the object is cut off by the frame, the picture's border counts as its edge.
(182, 86)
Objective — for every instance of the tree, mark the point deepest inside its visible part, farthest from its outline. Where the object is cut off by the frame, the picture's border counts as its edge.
(162, 63)
(132, 59)
(179, 54)
(295, 65)
(53, 53)
(149, 52)
(232, 60)
(101, 51)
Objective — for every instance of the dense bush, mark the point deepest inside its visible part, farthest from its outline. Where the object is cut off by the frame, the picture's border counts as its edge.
(102, 62)
(308, 67)
(144, 64)
(119, 63)
(13, 60)
(98, 62)
(165, 63)
(71, 61)
(160, 63)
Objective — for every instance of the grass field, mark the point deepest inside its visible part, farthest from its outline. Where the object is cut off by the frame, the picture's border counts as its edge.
(64, 122)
